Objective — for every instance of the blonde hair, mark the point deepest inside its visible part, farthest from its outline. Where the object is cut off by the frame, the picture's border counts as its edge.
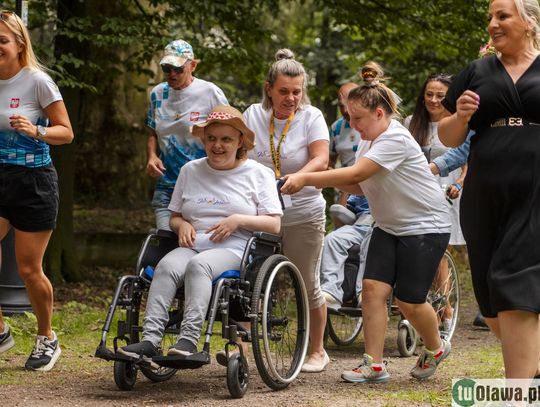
(285, 64)
(27, 58)
(371, 71)
(529, 11)
(373, 93)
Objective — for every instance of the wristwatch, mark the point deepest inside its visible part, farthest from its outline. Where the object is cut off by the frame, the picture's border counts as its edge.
(41, 132)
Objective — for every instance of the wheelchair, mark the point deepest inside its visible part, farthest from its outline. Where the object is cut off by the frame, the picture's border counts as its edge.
(267, 291)
(345, 323)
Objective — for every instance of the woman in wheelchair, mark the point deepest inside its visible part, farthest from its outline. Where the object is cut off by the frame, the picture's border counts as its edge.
(216, 203)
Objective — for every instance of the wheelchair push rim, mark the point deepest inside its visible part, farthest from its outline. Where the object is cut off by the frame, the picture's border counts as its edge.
(280, 302)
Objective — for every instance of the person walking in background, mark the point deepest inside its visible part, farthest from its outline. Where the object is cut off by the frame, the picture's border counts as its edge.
(412, 229)
(291, 136)
(175, 106)
(423, 126)
(32, 116)
(499, 98)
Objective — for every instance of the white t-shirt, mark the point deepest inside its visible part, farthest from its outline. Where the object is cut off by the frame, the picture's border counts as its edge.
(171, 114)
(307, 127)
(405, 198)
(27, 94)
(204, 196)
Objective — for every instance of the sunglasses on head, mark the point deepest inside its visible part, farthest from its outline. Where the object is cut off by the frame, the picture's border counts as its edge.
(167, 69)
(5, 15)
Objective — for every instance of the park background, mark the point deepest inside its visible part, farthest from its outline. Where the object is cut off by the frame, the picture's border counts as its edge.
(105, 55)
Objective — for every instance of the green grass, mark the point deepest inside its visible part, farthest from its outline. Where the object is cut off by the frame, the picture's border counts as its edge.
(79, 324)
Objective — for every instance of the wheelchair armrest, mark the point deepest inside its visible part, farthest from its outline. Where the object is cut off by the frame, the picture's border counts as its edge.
(267, 237)
(166, 234)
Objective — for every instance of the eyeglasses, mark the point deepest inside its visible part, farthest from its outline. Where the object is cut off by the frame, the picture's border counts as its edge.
(167, 69)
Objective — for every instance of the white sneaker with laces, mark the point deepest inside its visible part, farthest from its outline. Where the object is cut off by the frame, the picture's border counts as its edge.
(429, 360)
(366, 372)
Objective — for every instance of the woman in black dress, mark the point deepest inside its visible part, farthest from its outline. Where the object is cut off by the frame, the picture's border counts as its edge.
(499, 98)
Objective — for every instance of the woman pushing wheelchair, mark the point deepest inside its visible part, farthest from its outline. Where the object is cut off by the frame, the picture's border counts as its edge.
(217, 201)
(411, 232)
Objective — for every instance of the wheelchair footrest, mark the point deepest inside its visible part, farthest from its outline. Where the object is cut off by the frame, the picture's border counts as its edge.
(122, 358)
(103, 352)
(183, 362)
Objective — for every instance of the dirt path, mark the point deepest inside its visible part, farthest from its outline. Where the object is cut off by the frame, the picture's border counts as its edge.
(92, 383)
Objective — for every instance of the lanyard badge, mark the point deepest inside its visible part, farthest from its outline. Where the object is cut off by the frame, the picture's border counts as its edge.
(276, 152)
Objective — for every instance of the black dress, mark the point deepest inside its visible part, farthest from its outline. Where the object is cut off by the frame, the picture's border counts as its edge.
(500, 206)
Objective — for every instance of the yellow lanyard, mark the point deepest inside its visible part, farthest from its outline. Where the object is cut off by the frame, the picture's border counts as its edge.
(276, 152)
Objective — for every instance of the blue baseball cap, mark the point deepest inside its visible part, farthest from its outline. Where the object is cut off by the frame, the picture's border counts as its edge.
(177, 53)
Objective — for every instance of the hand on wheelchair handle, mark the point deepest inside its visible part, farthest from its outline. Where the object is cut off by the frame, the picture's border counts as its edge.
(292, 183)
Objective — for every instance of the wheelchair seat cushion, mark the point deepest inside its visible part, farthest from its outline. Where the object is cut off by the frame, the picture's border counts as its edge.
(227, 274)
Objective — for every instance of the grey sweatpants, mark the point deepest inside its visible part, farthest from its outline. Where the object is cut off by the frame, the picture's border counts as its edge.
(196, 271)
(335, 253)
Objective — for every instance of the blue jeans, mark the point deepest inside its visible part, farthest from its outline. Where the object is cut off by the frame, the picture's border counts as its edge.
(160, 204)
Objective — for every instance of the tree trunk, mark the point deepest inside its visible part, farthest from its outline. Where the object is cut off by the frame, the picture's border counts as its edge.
(60, 258)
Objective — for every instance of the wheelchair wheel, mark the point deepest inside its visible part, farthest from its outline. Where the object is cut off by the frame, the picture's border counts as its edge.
(343, 328)
(406, 340)
(133, 322)
(237, 376)
(279, 322)
(125, 375)
(444, 297)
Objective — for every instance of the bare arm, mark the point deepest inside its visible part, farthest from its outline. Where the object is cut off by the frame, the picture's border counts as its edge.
(360, 171)
(332, 161)
(154, 166)
(456, 187)
(224, 228)
(59, 132)
(318, 157)
(454, 128)
(353, 189)
(185, 230)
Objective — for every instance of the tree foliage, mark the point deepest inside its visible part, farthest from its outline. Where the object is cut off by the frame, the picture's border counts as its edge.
(104, 54)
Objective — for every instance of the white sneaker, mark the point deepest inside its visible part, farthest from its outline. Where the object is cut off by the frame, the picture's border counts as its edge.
(429, 360)
(366, 372)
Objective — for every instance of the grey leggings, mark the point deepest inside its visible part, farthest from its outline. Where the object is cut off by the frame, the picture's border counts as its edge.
(196, 271)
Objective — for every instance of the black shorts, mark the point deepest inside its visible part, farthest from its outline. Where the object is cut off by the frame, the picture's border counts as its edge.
(29, 197)
(407, 263)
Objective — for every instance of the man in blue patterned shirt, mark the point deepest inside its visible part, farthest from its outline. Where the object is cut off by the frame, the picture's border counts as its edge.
(175, 106)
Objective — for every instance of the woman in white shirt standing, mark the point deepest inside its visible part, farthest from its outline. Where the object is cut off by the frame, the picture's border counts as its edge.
(292, 136)
(410, 235)
(32, 117)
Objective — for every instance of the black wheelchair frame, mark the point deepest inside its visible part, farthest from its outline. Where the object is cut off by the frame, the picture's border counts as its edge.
(269, 293)
(345, 324)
